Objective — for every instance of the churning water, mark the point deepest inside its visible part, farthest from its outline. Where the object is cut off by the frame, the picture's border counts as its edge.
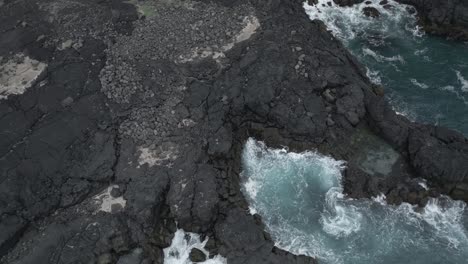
(299, 196)
(182, 244)
(426, 77)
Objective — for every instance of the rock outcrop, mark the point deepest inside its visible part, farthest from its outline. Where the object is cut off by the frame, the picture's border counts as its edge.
(441, 17)
(137, 127)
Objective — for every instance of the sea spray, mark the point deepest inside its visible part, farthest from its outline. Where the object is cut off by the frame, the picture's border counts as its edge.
(415, 68)
(463, 81)
(182, 244)
(301, 200)
(348, 23)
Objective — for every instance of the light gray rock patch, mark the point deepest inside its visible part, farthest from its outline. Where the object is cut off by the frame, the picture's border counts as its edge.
(18, 74)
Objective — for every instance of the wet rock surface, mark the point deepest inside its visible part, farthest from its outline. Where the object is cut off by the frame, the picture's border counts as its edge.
(137, 126)
(437, 17)
(347, 2)
(440, 17)
(197, 255)
(371, 12)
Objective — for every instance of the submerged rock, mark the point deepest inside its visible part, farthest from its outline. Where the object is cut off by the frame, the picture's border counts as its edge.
(371, 11)
(197, 255)
(347, 2)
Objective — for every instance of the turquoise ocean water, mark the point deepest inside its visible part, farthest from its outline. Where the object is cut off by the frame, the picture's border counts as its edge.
(425, 77)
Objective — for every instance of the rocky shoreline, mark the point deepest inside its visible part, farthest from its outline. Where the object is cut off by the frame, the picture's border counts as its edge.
(444, 18)
(436, 17)
(137, 126)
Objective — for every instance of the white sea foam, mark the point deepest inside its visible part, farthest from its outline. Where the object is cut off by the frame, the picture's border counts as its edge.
(419, 84)
(381, 199)
(458, 92)
(445, 216)
(182, 244)
(260, 157)
(347, 23)
(416, 30)
(392, 45)
(449, 88)
(374, 76)
(421, 52)
(463, 82)
(301, 200)
(401, 108)
(380, 58)
(339, 219)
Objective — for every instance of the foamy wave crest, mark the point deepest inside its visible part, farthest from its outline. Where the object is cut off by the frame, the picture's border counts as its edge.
(182, 244)
(463, 81)
(442, 216)
(458, 92)
(423, 183)
(347, 23)
(445, 216)
(401, 107)
(374, 76)
(421, 52)
(277, 183)
(386, 38)
(419, 84)
(263, 161)
(301, 201)
(339, 219)
(380, 58)
(381, 199)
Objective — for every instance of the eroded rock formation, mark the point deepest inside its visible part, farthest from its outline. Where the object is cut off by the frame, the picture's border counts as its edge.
(441, 17)
(137, 127)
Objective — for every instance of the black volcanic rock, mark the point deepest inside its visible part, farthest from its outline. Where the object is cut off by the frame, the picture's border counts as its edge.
(371, 11)
(161, 109)
(347, 2)
(441, 159)
(197, 255)
(441, 17)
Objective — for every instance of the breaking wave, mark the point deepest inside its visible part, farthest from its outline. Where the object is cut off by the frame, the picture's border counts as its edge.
(182, 244)
(380, 58)
(463, 81)
(301, 200)
(419, 84)
(414, 67)
(348, 23)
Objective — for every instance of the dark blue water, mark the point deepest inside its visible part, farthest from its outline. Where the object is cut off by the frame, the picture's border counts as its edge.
(425, 76)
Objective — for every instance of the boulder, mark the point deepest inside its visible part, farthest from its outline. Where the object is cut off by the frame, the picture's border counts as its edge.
(196, 255)
(371, 12)
(347, 2)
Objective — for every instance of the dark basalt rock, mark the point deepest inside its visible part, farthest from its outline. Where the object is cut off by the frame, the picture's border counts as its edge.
(438, 17)
(371, 11)
(441, 17)
(435, 153)
(347, 2)
(165, 120)
(440, 157)
(197, 255)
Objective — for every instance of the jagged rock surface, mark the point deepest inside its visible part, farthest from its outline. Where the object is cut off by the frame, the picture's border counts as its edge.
(155, 112)
(442, 17)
